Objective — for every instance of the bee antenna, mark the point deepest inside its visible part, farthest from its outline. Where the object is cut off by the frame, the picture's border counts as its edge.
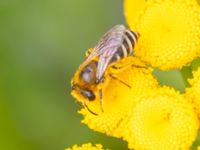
(90, 110)
(101, 101)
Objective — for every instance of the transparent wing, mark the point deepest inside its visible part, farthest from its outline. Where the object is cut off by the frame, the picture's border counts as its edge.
(107, 46)
(104, 61)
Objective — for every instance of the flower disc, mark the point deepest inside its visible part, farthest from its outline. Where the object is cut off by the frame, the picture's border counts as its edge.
(162, 120)
(169, 32)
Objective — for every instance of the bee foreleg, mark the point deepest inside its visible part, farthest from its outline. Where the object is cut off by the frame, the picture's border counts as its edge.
(114, 77)
(101, 99)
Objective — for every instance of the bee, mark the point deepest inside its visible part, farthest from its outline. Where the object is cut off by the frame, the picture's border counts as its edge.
(115, 45)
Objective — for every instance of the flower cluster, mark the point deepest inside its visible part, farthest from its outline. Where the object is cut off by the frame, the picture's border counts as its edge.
(135, 106)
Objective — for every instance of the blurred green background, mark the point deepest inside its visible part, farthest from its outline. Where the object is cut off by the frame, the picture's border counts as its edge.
(42, 42)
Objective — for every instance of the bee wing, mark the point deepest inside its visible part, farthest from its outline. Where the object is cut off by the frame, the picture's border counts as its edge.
(109, 45)
(106, 47)
(103, 62)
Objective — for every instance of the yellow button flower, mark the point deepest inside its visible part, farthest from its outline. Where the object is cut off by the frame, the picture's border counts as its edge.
(133, 79)
(193, 93)
(198, 148)
(162, 120)
(169, 31)
(133, 6)
(86, 147)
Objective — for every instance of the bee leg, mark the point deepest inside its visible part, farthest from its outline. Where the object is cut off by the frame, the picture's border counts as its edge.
(136, 66)
(101, 99)
(118, 69)
(89, 51)
(114, 77)
(126, 66)
(89, 110)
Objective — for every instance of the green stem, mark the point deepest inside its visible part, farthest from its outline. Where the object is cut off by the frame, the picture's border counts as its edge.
(186, 73)
(196, 143)
(196, 64)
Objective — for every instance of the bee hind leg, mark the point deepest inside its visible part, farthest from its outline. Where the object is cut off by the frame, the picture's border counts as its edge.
(118, 69)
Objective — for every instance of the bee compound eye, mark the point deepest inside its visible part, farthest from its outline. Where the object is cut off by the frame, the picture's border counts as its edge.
(91, 96)
(88, 94)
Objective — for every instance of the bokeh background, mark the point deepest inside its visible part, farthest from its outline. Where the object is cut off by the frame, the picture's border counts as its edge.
(42, 42)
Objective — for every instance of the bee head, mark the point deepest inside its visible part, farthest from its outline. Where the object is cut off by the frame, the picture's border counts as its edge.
(86, 93)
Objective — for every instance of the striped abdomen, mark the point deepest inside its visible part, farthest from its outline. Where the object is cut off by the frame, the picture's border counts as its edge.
(127, 46)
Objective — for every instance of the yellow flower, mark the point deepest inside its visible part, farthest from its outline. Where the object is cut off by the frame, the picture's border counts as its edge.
(86, 147)
(193, 92)
(162, 120)
(133, 6)
(169, 31)
(118, 95)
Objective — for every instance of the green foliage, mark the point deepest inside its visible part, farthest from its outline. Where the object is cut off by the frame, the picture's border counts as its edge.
(42, 43)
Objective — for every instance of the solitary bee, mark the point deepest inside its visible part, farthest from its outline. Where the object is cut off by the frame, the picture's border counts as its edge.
(115, 45)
